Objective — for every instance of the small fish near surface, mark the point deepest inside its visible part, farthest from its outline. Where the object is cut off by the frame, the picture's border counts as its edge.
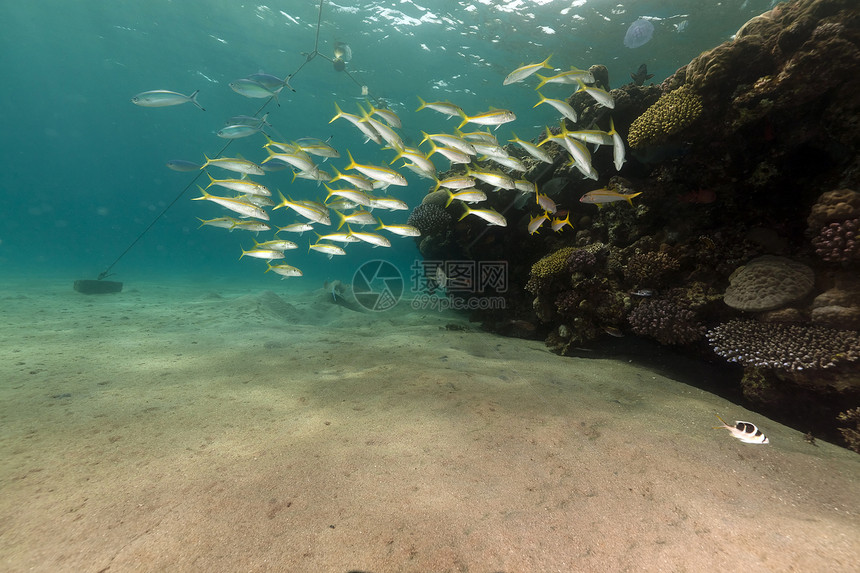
(165, 98)
(641, 75)
(746, 432)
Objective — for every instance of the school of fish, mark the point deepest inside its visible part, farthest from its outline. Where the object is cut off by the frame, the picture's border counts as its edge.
(361, 195)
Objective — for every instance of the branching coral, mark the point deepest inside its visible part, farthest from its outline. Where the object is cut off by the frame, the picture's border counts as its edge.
(650, 268)
(786, 347)
(671, 113)
(429, 218)
(667, 321)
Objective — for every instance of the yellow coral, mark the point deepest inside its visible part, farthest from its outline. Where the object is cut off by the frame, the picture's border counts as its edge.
(670, 114)
(546, 268)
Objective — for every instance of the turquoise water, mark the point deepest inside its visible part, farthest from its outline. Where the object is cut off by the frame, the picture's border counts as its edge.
(85, 168)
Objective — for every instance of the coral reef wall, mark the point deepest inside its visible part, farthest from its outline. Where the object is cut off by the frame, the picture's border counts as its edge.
(751, 150)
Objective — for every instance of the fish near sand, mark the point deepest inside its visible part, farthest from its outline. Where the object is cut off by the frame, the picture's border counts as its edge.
(744, 431)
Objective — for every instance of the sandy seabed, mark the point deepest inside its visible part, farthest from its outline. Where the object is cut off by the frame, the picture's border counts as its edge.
(195, 427)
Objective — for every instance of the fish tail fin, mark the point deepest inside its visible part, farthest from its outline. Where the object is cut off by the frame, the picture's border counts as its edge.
(339, 113)
(202, 221)
(193, 99)
(545, 63)
(342, 219)
(438, 184)
(426, 137)
(450, 197)
(466, 213)
(381, 225)
(351, 160)
(630, 197)
(611, 126)
(542, 99)
(268, 267)
(423, 104)
(208, 161)
(287, 82)
(543, 81)
(283, 202)
(243, 254)
(205, 194)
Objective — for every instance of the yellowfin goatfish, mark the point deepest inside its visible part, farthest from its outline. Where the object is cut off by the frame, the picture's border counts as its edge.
(558, 224)
(532, 150)
(355, 195)
(360, 217)
(237, 165)
(523, 72)
(359, 181)
(337, 237)
(442, 107)
(296, 228)
(568, 77)
(276, 245)
(617, 146)
(489, 215)
(457, 143)
(285, 270)
(600, 196)
(744, 431)
(536, 222)
(240, 186)
(402, 230)
(602, 97)
(387, 115)
(388, 203)
(470, 195)
(451, 154)
(495, 117)
(327, 249)
(235, 205)
(313, 211)
(317, 147)
(383, 174)
(494, 178)
(253, 226)
(545, 203)
(364, 127)
(268, 254)
(561, 106)
(455, 182)
(372, 238)
(220, 222)
(164, 98)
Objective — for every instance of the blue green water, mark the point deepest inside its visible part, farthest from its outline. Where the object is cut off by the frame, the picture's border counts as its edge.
(84, 169)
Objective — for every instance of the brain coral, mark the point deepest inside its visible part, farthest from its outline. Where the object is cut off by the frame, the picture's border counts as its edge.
(671, 113)
(834, 207)
(768, 282)
(784, 347)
